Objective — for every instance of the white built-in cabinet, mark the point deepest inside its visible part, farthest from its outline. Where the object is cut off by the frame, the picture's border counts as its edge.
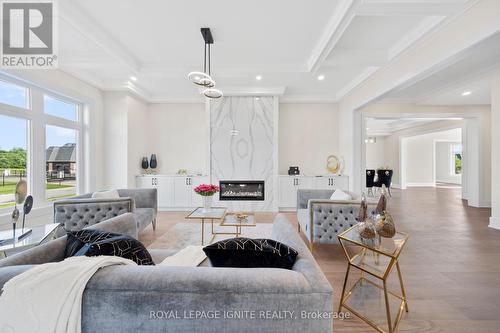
(288, 186)
(177, 192)
(174, 192)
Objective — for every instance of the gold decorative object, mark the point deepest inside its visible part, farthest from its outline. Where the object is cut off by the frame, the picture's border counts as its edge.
(385, 226)
(366, 230)
(333, 164)
(241, 216)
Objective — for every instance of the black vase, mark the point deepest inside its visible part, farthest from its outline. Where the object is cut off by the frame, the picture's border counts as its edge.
(145, 163)
(153, 163)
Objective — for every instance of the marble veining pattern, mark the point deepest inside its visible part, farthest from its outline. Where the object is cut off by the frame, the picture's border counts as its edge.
(242, 146)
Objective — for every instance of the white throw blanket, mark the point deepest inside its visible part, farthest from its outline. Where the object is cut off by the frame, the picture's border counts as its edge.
(48, 297)
(188, 256)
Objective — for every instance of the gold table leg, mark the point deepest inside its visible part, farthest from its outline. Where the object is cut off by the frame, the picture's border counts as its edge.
(402, 285)
(202, 230)
(387, 307)
(343, 288)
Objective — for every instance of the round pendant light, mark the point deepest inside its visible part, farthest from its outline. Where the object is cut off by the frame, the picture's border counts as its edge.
(200, 78)
(212, 93)
(204, 79)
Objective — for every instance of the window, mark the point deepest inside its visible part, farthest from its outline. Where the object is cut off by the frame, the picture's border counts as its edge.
(40, 136)
(456, 159)
(13, 157)
(14, 95)
(60, 164)
(61, 109)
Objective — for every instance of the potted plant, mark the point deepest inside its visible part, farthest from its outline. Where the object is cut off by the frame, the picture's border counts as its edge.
(207, 191)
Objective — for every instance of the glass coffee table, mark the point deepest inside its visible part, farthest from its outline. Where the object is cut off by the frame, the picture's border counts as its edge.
(39, 234)
(369, 298)
(215, 214)
(238, 220)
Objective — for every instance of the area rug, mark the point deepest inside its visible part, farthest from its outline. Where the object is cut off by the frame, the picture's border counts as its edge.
(185, 233)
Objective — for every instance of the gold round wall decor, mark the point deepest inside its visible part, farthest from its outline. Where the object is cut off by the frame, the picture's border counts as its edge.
(333, 164)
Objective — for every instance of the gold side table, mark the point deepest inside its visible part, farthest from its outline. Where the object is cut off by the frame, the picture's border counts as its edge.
(376, 260)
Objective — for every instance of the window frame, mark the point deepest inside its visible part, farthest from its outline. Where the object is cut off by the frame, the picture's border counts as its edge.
(37, 120)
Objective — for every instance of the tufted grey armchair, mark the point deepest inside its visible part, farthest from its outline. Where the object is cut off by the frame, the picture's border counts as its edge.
(82, 211)
(322, 219)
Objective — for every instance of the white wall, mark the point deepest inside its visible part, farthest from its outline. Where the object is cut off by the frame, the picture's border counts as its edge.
(178, 135)
(125, 138)
(420, 160)
(308, 134)
(444, 163)
(138, 138)
(375, 154)
(495, 148)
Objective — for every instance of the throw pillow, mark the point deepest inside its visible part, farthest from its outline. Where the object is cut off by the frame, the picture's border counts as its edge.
(249, 253)
(77, 239)
(340, 196)
(111, 194)
(94, 242)
(119, 246)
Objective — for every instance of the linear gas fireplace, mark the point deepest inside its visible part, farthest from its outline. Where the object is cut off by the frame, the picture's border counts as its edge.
(248, 190)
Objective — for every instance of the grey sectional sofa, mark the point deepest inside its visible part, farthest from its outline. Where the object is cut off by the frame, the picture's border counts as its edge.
(82, 211)
(322, 219)
(165, 299)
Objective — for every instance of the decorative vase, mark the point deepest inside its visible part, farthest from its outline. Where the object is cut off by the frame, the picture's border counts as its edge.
(153, 162)
(145, 164)
(207, 203)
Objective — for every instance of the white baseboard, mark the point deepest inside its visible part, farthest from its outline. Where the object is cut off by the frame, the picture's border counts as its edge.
(420, 185)
(494, 223)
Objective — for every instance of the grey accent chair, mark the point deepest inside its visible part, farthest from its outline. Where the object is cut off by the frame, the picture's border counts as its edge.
(83, 210)
(131, 298)
(322, 219)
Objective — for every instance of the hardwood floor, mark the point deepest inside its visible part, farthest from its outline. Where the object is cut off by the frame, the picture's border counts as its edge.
(451, 265)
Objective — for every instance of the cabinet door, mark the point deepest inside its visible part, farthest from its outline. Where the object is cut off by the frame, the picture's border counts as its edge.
(304, 183)
(144, 182)
(341, 182)
(287, 192)
(322, 183)
(182, 193)
(196, 199)
(165, 191)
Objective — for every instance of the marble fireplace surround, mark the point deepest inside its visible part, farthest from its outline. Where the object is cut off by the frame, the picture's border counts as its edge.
(244, 146)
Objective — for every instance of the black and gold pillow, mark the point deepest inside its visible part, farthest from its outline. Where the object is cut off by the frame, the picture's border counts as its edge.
(251, 253)
(95, 242)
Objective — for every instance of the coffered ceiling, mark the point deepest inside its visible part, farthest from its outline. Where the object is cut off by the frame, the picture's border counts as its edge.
(287, 42)
(465, 80)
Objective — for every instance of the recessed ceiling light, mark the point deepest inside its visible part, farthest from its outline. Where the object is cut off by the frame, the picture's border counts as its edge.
(133, 78)
(258, 77)
(368, 128)
(321, 77)
(466, 93)
(257, 98)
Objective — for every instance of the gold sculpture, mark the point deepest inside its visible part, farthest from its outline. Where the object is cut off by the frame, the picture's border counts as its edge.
(333, 164)
(385, 226)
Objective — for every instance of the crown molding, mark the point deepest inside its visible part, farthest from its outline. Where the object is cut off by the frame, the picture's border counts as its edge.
(356, 81)
(75, 16)
(409, 8)
(342, 18)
